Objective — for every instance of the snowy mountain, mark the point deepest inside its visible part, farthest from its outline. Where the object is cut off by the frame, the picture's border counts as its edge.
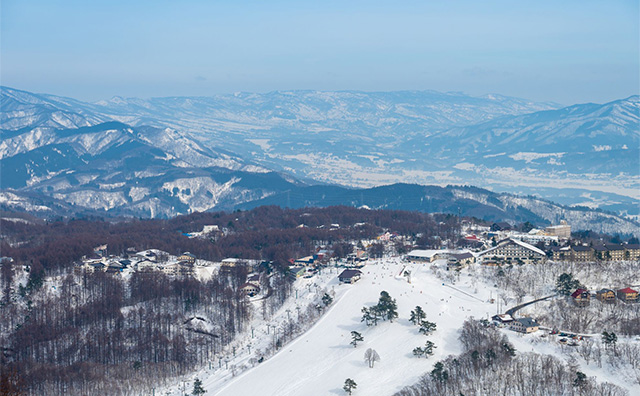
(587, 128)
(582, 154)
(23, 110)
(280, 129)
(114, 168)
(579, 139)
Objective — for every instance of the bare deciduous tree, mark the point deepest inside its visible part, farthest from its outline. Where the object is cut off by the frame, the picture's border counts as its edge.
(371, 356)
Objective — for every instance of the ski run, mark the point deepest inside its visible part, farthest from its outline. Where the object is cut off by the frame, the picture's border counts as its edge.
(319, 360)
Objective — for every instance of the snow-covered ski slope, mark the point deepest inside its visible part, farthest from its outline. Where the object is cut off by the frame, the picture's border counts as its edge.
(319, 361)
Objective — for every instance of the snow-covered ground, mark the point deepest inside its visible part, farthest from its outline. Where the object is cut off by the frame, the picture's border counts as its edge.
(319, 360)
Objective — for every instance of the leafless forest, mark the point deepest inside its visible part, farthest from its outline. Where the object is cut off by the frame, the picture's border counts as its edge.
(99, 334)
(489, 366)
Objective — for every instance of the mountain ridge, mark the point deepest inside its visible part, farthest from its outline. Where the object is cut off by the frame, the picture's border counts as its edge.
(349, 138)
(143, 171)
(465, 200)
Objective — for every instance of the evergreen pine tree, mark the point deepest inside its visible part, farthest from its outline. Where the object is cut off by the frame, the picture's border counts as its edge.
(349, 385)
(327, 299)
(610, 340)
(439, 374)
(581, 379)
(198, 390)
(366, 316)
(567, 284)
(387, 306)
(375, 314)
(428, 348)
(427, 327)
(417, 315)
(355, 338)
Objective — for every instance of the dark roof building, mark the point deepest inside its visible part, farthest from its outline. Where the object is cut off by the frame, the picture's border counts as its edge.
(349, 276)
(461, 256)
(501, 226)
(524, 325)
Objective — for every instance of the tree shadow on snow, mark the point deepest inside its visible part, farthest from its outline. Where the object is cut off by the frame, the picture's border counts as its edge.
(350, 327)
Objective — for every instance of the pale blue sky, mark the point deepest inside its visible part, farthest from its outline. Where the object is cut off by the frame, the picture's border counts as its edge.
(564, 51)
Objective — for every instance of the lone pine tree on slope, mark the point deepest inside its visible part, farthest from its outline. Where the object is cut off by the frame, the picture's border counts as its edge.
(349, 385)
(356, 338)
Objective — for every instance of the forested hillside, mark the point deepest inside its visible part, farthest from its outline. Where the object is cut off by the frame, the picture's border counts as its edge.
(70, 331)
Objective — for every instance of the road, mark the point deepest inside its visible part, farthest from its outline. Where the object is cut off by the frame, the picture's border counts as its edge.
(513, 310)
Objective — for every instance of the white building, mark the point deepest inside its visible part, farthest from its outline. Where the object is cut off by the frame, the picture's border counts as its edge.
(423, 255)
(534, 238)
(561, 231)
(513, 250)
(434, 254)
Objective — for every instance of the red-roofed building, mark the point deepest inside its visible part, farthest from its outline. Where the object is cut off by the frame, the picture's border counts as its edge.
(581, 297)
(628, 295)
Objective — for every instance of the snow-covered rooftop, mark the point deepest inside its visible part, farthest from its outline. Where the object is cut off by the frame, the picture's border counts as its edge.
(517, 242)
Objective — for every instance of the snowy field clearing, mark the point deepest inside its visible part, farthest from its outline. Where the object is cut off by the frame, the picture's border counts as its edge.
(319, 361)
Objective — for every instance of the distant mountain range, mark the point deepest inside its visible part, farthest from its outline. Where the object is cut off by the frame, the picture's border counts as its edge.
(463, 200)
(165, 156)
(121, 170)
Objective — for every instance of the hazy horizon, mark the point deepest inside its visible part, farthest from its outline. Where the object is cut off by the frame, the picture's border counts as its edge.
(574, 52)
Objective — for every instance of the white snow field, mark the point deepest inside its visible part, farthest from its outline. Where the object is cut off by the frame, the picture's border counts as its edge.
(319, 361)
